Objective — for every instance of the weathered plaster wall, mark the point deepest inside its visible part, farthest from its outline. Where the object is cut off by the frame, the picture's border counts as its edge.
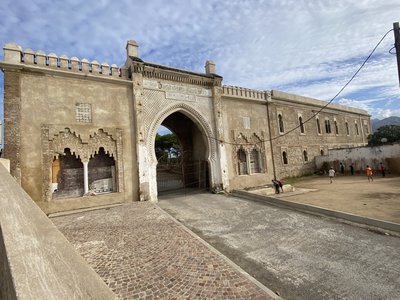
(247, 117)
(52, 100)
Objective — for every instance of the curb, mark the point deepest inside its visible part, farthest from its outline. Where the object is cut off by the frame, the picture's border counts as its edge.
(318, 210)
(76, 211)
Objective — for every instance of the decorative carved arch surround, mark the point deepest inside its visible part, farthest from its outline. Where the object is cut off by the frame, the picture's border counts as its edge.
(247, 143)
(195, 116)
(203, 126)
(54, 147)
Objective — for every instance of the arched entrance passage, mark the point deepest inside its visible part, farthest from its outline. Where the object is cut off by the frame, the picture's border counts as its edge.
(186, 167)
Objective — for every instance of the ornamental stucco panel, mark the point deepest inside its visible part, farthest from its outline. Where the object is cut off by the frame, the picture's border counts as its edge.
(159, 95)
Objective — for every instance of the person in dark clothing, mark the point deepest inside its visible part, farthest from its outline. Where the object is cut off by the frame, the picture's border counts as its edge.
(275, 183)
(341, 168)
(352, 169)
(382, 168)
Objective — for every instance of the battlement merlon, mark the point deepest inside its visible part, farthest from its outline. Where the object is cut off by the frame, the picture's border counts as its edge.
(240, 93)
(14, 55)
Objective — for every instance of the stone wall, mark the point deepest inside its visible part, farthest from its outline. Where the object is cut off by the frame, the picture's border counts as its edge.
(389, 155)
(245, 118)
(54, 102)
(58, 102)
(313, 141)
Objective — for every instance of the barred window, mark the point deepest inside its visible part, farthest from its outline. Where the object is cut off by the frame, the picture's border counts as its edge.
(242, 162)
(83, 112)
(327, 126)
(255, 161)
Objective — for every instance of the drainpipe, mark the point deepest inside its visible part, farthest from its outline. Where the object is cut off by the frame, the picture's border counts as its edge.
(268, 97)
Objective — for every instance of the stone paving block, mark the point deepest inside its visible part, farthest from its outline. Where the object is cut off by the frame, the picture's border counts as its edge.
(141, 253)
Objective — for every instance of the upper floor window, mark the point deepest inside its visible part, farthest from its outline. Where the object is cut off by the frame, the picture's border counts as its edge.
(347, 128)
(280, 123)
(305, 155)
(301, 124)
(284, 158)
(318, 126)
(336, 128)
(327, 126)
(356, 126)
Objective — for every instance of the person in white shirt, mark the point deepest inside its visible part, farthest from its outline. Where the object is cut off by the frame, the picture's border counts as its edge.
(331, 174)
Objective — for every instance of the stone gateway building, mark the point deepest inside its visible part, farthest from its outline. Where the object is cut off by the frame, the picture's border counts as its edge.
(74, 129)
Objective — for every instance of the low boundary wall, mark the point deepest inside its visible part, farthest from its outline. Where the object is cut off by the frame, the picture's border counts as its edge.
(360, 157)
(37, 261)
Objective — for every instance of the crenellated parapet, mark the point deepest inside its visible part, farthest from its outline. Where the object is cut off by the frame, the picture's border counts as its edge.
(239, 92)
(16, 55)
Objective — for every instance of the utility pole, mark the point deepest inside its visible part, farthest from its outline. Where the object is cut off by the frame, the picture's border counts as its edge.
(396, 31)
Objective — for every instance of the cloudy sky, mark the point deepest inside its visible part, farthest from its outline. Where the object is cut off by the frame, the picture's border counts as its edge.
(311, 48)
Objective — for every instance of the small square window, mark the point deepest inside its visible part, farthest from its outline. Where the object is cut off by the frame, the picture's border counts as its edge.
(83, 112)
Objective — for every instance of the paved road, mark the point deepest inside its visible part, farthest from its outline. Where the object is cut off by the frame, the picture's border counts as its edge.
(300, 256)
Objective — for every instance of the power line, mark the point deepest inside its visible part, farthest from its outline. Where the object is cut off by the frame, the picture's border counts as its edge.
(321, 109)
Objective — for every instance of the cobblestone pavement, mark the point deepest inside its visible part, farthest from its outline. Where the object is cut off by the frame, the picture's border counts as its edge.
(141, 253)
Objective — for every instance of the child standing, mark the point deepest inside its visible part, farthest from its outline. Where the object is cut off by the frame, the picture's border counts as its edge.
(331, 174)
(369, 173)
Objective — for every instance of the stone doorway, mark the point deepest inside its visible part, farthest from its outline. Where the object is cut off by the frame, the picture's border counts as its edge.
(184, 166)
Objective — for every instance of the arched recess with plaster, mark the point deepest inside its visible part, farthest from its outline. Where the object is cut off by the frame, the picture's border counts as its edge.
(187, 115)
(69, 144)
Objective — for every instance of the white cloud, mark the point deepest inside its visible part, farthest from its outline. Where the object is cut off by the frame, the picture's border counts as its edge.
(305, 47)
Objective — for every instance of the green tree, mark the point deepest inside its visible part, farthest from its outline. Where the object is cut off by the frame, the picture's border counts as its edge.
(167, 146)
(385, 134)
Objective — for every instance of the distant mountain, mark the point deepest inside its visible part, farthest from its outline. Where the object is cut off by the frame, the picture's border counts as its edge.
(376, 123)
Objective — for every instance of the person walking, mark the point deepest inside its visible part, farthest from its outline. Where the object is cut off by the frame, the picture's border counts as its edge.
(331, 173)
(382, 168)
(369, 173)
(341, 168)
(352, 169)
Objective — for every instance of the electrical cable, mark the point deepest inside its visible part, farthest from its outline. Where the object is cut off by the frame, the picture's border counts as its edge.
(315, 114)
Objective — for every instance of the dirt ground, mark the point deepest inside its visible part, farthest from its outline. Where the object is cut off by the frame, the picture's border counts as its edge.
(379, 199)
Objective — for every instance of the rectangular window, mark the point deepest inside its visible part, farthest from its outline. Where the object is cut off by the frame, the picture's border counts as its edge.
(327, 126)
(280, 123)
(246, 122)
